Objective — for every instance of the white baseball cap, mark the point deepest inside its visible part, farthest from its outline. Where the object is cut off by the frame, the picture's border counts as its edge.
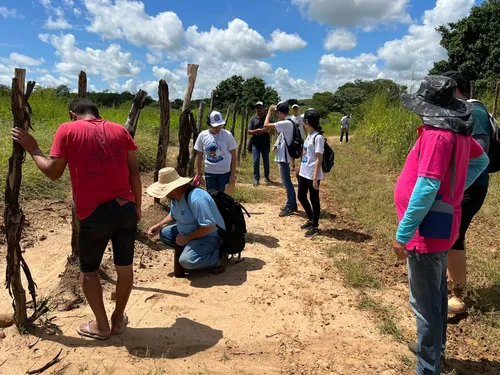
(295, 106)
(216, 119)
(259, 104)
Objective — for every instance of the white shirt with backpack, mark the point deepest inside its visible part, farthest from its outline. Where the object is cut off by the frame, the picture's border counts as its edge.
(285, 130)
(314, 144)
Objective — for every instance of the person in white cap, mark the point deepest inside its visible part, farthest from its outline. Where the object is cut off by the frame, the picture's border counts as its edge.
(191, 226)
(217, 147)
(299, 121)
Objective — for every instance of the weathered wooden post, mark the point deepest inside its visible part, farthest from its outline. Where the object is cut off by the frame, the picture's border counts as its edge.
(186, 123)
(75, 222)
(495, 103)
(196, 133)
(242, 134)
(135, 112)
(473, 89)
(233, 125)
(212, 101)
(13, 213)
(246, 134)
(164, 137)
(82, 84)
(228, 113)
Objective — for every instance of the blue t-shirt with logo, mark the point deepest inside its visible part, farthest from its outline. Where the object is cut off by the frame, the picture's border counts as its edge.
(200, 212)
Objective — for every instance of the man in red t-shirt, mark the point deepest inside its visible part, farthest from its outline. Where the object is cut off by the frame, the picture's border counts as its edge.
(107, 192)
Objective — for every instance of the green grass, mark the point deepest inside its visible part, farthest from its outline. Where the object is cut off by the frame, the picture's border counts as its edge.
(386, 325)
(389, 327)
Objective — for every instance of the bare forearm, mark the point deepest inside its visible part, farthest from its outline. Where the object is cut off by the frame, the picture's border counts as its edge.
(198, 163)
(135, 183)
(317, 167)
(233, 162)
(200, 232)
(45, 164)
(168, 220)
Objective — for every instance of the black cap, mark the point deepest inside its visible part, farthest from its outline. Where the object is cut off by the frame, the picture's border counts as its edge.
(283, 108)
(462, 84)
(312, 114)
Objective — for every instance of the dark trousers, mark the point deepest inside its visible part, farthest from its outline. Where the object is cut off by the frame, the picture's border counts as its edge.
(471, 204)
(346, 136)
(256, 153)
(313, 208)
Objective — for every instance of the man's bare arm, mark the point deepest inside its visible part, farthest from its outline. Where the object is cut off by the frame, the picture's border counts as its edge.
(135, 180)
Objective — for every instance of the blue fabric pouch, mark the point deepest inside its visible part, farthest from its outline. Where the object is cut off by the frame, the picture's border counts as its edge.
(438, 223)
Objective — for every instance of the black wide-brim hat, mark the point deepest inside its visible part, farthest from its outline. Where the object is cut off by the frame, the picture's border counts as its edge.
(436, 97)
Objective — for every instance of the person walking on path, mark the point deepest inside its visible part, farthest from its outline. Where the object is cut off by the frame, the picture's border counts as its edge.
(473, 200)
(218, 146)
(191, 228)
(299, 121)
(311, 172)
(443, 163)
(107, 192)
(285, 128)
(260, 144)
(344, 128)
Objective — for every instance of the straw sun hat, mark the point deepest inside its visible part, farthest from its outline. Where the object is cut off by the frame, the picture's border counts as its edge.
(168, 181)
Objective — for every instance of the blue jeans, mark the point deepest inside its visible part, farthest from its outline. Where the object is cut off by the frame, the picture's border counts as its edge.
(429, 302)
(217, 181)
(256, 152)
(197, 254)
(291, 197)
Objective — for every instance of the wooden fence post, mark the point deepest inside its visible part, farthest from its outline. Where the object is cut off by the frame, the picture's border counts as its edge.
(196, 133)
(82, 84)
(242, 134)
(473, 89)
(13, 213)
(186, 123)
(75, 222)
(163, 139)
(246, 135)
(233, 125)
(212, 101)
(135, 112)
(495, 103)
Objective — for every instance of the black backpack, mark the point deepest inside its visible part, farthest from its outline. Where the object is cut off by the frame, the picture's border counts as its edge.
(234, 236)
(297, 146)
(328, 156)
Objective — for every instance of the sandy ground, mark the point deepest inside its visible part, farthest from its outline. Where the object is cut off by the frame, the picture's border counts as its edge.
(283, 310)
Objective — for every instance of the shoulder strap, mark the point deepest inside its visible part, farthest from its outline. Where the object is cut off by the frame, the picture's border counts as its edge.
(190, 189)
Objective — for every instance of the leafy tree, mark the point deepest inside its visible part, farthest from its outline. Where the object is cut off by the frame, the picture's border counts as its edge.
(254, 90)
(177, 104)
(323, 102)
(63, 90)
(473, 44)
(292, 102)
(271, 96)
(229, 91)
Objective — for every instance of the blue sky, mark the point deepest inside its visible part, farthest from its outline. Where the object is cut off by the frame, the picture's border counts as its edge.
(298, 46)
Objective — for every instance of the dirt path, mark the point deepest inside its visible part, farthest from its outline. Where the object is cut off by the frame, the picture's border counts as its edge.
(284, 310)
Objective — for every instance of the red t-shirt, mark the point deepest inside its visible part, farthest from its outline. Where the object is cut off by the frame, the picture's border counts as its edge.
(97, 155)
(436, 149)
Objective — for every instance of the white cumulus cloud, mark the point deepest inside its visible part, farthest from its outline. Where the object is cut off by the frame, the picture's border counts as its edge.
(281, 41)
(7, 13)
(59, 23)
(48, 80)
(361, 13)
(110, 63)
(124, 19)
(290, 87)
(340, 39)
(21, 60)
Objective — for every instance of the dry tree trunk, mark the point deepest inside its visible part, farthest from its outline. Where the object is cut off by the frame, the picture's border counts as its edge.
(472, 89)
(246, 134)
(242, 134)
(163, 139)
(495, 105)
(196, 133)
(233, 124)
(13, 213)
(82, 85)
(135, 112)
(186, 123)
(212, 101)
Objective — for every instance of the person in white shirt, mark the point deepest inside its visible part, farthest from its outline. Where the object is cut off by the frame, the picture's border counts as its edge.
(218, 146)
(284, 127)
(344, 128)
(311, 171)
(299, 121)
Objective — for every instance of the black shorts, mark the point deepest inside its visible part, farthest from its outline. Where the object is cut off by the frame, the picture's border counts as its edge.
(471, 204)
(109, 221)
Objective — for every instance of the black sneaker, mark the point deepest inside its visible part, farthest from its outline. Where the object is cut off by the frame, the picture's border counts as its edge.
(307, 225)
(268, 182)
(312, 231)
(286, 212)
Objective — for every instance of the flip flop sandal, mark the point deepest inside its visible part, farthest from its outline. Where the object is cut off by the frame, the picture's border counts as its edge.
(125, 323)
(91, 334)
